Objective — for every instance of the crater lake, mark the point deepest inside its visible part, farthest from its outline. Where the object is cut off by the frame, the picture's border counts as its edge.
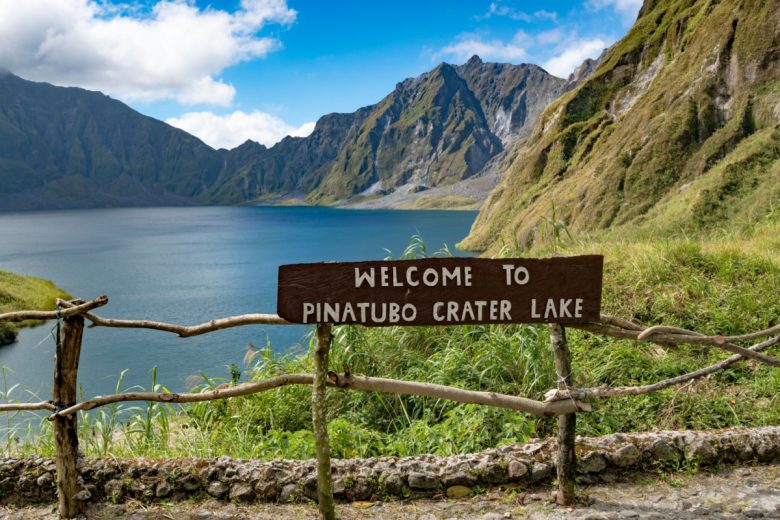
(186, 265)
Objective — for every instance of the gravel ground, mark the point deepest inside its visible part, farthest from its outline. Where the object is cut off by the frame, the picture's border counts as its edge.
(730, 492)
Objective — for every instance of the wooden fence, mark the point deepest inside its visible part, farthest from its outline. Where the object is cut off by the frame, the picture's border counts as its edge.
(565, 401)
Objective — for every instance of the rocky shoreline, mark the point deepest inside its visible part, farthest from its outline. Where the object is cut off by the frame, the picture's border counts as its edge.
(601, 459)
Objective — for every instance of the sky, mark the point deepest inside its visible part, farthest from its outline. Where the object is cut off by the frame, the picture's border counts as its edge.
(231, 70)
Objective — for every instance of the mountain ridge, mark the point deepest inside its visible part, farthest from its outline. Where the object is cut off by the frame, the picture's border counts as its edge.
(65, 147)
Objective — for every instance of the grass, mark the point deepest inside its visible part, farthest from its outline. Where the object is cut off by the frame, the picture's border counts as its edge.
(19, 292)
(724, 285)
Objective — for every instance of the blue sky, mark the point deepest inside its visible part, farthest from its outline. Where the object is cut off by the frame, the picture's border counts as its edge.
(235, 69)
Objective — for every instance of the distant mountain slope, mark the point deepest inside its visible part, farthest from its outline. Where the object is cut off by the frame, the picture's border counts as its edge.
(290, 169)
(429, 131)
(432, 130)
(71, 148)
(678, 128)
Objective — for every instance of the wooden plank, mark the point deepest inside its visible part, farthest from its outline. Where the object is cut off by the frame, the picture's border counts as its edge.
(443, 291)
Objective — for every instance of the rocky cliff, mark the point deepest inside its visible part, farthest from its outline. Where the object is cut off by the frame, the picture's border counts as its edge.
(678, 130)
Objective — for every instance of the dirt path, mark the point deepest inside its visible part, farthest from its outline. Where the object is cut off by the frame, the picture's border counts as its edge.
(732, 492)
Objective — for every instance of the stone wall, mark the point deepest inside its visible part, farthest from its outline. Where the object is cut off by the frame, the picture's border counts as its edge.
(32, 479)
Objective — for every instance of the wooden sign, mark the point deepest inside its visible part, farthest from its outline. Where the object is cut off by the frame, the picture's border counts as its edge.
(443, 291)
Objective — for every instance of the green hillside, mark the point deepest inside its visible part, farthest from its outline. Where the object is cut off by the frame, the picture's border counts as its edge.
(69, 147)
(19, 292)
(676, 132)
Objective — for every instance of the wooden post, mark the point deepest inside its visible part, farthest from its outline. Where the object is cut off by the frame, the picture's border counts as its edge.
(567, 459)
(66, 365)
(320, 423)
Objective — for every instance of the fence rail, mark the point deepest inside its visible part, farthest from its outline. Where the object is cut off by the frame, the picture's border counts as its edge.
(565, 401)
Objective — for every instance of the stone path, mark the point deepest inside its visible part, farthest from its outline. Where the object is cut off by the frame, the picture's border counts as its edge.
(728, 493)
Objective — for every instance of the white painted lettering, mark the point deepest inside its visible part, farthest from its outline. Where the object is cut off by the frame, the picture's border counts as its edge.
(308, 310)
(394, 313)
(467, 310)
(550, 309)
(396, 281)
(480, 305)
(564, 310)
(363, 306)
(521, 276)
(374, 317)
(508, 270)
(430, 277)
(365, 277)
(452, 311)
(506, 306)
(330, 312)
(447, 275)
(349, 313)
(437, 307)
(409, 279)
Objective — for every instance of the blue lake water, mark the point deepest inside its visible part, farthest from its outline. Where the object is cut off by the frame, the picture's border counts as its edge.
(186, 265)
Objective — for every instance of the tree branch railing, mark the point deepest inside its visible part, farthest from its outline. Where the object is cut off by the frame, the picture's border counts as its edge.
(563, 402)
(71, 309)
(614, 391)
(25, 407)
(348, 382)
(608, 325)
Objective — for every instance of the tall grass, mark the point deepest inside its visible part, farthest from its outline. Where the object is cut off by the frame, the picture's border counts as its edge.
(718, 286)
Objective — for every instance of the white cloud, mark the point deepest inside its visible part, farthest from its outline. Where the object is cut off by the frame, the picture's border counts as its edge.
(575, 53)
(497, 9)
(628, 9)
(230, 130)
(174, 51)
(557, 51)
(495, 50)
(551, 37)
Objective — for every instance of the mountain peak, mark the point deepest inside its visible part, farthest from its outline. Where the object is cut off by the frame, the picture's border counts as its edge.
(474, 61)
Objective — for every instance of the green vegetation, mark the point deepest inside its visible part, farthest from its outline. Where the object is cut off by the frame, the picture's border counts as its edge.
(71, 148)
(671, 129)
(19, 292)
(725, 286)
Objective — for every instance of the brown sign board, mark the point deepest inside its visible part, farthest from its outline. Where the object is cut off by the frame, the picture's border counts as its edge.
(443, 291)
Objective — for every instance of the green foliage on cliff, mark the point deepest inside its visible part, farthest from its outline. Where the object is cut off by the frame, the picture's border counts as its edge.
(677, 131)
